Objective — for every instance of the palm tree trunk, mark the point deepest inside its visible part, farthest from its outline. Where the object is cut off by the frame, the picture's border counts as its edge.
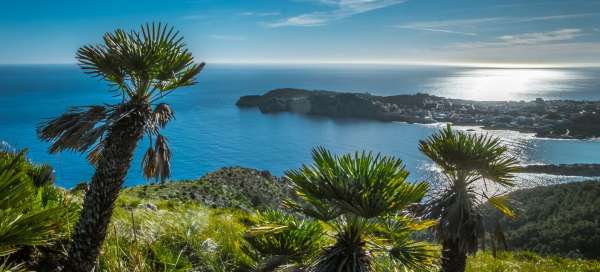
(99, 200)
(453, 258)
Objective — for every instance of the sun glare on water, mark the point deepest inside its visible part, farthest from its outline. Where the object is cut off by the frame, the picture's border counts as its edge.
(505, 84)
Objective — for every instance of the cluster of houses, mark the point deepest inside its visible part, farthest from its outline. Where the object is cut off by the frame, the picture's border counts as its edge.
(540, 116)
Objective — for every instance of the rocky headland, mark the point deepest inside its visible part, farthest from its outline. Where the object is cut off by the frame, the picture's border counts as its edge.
(545, 118)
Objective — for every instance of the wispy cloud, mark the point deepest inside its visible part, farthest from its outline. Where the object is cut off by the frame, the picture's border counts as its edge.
(534, 38)
(259, 14)
(541, 37)
(471, 26)
(227, 37)
(343, 9)
(443, 31)
(555, 17)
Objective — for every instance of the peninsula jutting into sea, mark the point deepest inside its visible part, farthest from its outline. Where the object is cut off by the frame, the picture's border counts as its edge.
(546, 118)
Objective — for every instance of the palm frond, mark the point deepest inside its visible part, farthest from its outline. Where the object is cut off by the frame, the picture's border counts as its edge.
(362, 184)
(399, 225)
(11, 267)
(163, 114)
(279, 234)
(139, 63)
(75, 130)
(42, 175)
(156, 162)
(416, 256)
(33, 228)
(314, 208)
(25, 220)
(480, 155)
(95, 153)
(500, 203)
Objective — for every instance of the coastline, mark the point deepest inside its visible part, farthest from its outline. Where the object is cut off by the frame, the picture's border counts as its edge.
(553, 119)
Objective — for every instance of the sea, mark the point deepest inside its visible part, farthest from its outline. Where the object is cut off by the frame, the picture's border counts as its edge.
(210, 132)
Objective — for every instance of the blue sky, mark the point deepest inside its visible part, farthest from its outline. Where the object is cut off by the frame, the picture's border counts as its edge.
(541, 32)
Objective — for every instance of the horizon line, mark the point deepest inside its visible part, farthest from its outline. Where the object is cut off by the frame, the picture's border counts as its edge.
(369, 62)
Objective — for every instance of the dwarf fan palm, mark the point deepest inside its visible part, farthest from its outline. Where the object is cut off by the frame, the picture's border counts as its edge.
(469, 164)
(27, 218)
(362, 200)
(142, 66)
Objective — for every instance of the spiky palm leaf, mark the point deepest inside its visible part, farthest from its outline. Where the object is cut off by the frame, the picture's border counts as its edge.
(11, 267)
(469, 157)
(284, 240)
(42, 175)
(362, 184)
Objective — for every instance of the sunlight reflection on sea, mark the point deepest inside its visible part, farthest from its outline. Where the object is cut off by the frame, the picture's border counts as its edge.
(507, 84)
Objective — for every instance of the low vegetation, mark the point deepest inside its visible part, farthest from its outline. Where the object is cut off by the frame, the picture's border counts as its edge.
(166, 232)
(509, 261)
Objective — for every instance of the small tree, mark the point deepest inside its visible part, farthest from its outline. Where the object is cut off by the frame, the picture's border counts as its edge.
(469, 163)
(362, 202)
(142, 66)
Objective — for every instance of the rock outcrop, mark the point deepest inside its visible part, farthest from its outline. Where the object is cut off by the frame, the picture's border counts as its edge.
(231, 187)
(332, 104)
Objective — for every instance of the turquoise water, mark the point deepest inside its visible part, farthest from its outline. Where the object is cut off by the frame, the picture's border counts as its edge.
(211, 132)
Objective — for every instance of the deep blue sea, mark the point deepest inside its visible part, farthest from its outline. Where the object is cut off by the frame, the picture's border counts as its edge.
(211, 132)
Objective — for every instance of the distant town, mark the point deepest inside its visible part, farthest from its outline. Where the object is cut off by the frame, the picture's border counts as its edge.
(545, 118)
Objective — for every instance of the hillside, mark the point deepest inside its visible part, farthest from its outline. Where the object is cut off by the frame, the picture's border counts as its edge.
(180, 208)
(554, 220)
(229, 187)
(560, 219)
(196, 207)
